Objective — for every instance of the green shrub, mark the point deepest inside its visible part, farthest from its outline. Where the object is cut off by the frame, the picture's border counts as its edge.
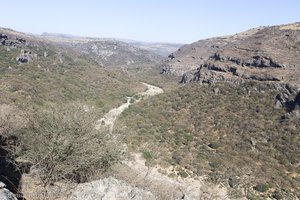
(214, 145)
(189, 122)
(149, 156)
(183, 174)
(252, 196)
(263, 187)
(215, 165)
(189, 137)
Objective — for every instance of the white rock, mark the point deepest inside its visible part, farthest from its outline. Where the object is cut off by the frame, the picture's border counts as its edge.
(109, 189)
(2, 185)
(5, 194)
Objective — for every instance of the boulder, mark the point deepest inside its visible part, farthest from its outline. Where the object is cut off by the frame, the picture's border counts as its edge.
(216, 91)
(186, 78)
(7, 43)
(171, 56)
(21, 40)
(22, 59)
(278, 104)
(166, 70)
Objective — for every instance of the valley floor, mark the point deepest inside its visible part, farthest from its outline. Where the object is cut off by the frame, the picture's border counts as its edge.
(130, 179)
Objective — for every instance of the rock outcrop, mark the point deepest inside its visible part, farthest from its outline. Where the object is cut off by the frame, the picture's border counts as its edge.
(24, 57)
(288, 97)
(5, 40)
(17, 42)
(291, 105)
(268, 54)
(3, 36)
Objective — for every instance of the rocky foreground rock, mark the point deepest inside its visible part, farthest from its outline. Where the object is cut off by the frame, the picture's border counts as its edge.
(109, 188)
(5, 194)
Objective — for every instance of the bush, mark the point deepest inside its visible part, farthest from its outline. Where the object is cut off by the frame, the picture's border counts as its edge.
(223, 136)
(149, 156)
(215, 165)
(277, 195)
(214, 145)
(261, 187)
(183, 174)
(63, 144)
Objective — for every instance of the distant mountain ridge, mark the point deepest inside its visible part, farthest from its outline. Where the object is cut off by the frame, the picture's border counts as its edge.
(159, 48)
(107, 52)
(59, 35)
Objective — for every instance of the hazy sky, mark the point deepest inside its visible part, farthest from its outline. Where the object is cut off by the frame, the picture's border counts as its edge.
(182, 21)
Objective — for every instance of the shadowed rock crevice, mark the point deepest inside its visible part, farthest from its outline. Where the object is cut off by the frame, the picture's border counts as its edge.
(10, 173)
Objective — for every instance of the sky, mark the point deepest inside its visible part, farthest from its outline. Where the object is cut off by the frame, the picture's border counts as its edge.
(174, 21)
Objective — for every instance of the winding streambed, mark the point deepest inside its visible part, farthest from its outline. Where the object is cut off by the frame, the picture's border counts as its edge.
(109, 118)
